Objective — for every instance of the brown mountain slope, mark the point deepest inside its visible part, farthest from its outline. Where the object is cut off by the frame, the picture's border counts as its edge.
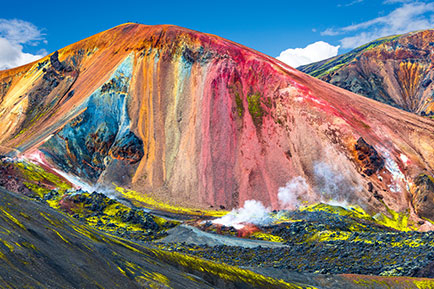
(397, 70)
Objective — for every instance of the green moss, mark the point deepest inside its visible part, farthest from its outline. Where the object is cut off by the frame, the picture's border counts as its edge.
(240, 106)
(28, 245)
(13, 219)
(109, 215)
(142, 200)
(424, 284)
(325, 236)
(36, 174)
(330, 70)
(152, 280)
(322, 68)
(395, 220)
(223, 271)
(60, 236)
(47, 217)
(25, 215)
(7, 244)
(39, 190)
(266, 237)
(255, 108)
(384, 282)
(40, 182)
(353, 211)
(122, 271)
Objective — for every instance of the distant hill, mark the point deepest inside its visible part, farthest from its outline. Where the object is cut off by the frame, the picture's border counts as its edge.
(396, 70)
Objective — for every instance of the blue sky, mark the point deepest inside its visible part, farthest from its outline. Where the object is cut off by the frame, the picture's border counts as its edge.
(268, 26)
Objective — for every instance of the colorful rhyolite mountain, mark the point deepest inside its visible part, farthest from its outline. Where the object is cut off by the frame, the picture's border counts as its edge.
(397, 70)
(196, 120)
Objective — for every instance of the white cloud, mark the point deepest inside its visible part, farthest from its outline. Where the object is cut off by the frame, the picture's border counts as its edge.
(330, 32)
(410, 16)
(13, 35)
(351, 3)
(395, 1)
(313, 52)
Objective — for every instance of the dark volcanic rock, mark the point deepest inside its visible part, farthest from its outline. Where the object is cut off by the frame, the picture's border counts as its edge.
(138, 217)
(427, 271)
(423, 196)
(368, 157)
(57, 65)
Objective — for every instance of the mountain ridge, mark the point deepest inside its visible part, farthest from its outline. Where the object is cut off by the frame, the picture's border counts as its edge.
(395, 70)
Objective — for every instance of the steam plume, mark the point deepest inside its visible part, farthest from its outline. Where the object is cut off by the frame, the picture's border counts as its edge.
(332, 186)
(253, 212)
(289, 195)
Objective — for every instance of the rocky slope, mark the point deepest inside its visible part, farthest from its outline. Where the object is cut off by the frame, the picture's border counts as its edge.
(396, 70)
(42, 248)
(196, 120)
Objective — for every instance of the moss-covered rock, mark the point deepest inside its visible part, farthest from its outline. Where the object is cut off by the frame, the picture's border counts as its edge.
(255, 108)
(110, 215)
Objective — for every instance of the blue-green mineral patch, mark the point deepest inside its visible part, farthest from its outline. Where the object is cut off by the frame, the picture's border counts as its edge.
(100, 135)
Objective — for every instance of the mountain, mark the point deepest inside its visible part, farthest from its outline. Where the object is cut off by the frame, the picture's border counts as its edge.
(195, 120)
(395, 70)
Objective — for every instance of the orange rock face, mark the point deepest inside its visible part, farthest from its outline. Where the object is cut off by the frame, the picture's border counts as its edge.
(197, 120)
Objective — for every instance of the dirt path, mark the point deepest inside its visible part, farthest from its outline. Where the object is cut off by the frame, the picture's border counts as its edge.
(192, 235)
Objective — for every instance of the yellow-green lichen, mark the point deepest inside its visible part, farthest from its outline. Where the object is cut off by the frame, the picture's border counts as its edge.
(266, 237)
(9, 245)
(224, 271)
(255, 108)
(38, 189)
(143, 200)
(60, 236)
(36, 174)
(239, 103)
(395, 220)
(391, 219)
(13, 219)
